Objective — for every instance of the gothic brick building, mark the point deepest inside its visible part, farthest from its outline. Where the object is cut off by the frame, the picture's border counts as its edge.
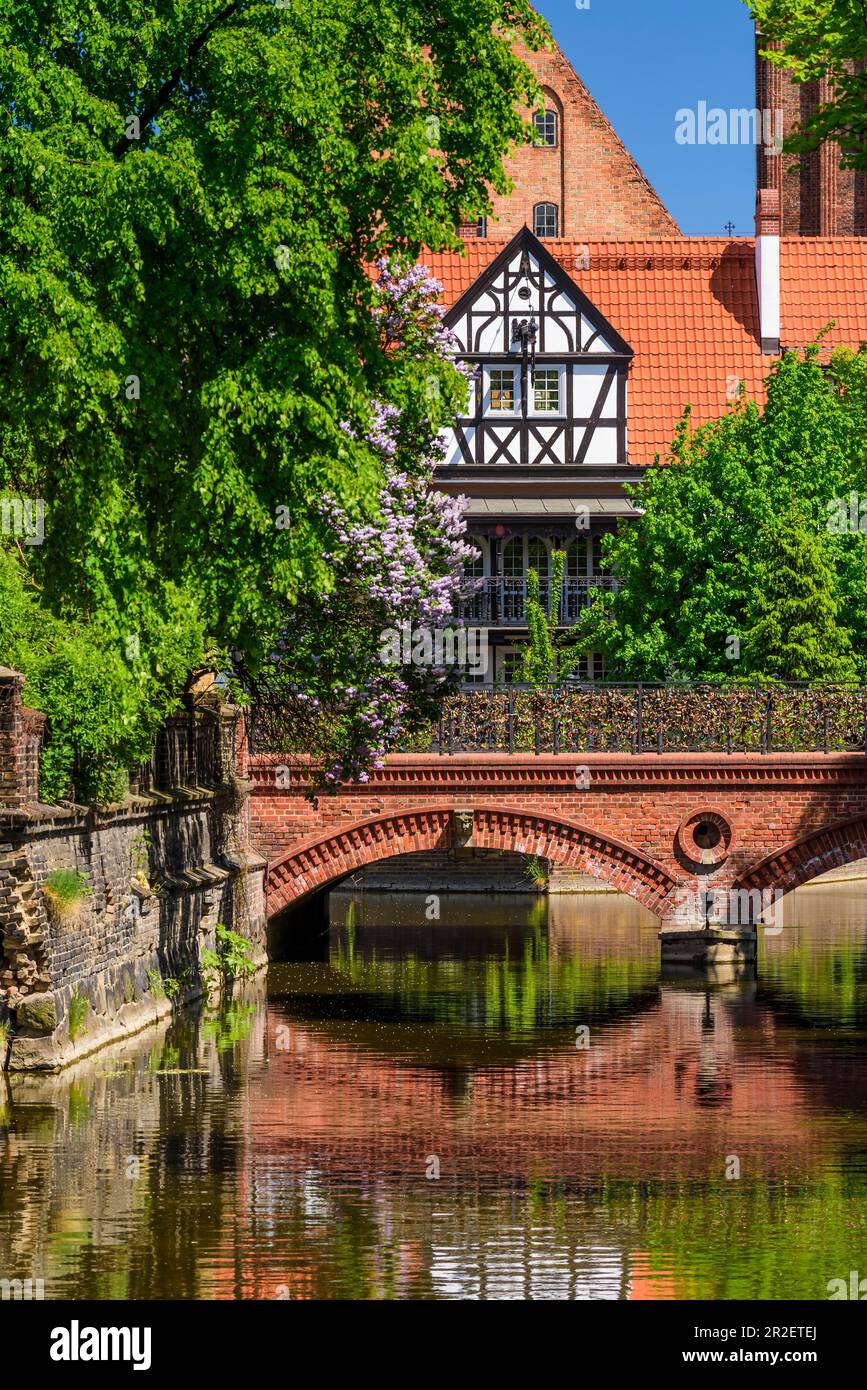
(816, 196)
(580, 181)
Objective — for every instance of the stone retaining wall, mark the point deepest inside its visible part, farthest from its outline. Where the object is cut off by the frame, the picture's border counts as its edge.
(160, 871)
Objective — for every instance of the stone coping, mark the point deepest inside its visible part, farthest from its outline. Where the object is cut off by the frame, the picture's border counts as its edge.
(35, 813)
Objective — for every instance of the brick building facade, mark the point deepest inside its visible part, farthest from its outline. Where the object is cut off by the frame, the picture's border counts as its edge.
(817, 197)
(581, 170)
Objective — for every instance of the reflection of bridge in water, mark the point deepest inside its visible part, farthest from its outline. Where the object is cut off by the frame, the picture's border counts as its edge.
(664, 1095)
(295, 1161)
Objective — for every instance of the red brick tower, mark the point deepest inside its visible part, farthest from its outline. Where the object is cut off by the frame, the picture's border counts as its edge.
(817, 197)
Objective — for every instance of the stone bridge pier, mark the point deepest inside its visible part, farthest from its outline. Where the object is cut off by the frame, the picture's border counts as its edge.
(695, 838)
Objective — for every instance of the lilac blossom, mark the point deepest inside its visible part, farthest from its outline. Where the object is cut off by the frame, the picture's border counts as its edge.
(408, 565)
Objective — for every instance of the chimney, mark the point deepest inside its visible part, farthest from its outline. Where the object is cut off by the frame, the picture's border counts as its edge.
(768, 267)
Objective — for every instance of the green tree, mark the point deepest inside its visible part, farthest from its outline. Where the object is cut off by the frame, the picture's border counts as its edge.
(193, 194)
(793, 628)
(549, 654)
(687, 568)
(537, 665)
(104, 706)
(818, 38)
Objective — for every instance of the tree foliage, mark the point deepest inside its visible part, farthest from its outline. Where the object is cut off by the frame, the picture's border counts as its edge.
(793, 613)
(692, 567)
(193, 194)
(105, 706)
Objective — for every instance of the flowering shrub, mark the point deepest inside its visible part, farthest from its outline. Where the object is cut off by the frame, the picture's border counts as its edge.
(340, 700)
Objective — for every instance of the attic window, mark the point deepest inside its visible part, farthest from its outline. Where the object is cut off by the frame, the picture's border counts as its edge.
(546, 128)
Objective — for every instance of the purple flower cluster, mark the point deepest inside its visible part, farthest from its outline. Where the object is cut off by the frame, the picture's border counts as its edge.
(408, 566)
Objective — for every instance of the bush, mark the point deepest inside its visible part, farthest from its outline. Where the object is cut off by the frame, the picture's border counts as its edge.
(231, 960)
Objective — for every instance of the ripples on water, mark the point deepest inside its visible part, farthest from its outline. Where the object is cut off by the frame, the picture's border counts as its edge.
(288, 1145)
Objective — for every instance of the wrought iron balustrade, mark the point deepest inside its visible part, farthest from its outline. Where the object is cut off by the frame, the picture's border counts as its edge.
(585, 718)
(500, 601)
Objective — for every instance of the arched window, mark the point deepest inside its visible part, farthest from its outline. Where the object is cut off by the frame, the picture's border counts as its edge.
(523, 553)
(475, 569)
(546, 128)
(538, 558)
(584, 558)
(513, 558)
(545, 219)
(577, 558)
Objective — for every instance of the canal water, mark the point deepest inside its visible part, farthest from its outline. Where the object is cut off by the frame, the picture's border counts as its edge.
(507, 1101)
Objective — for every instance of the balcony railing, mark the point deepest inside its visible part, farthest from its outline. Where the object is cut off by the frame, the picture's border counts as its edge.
(502, 602)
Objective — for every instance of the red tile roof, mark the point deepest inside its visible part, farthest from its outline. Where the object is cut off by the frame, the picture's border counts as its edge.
(824, 278)
(688, 308)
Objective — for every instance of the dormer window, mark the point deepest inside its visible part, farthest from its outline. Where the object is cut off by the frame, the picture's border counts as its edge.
(545, 220)
(546, 128)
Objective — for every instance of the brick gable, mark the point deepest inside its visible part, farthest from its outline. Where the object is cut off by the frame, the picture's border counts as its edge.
(597, 186)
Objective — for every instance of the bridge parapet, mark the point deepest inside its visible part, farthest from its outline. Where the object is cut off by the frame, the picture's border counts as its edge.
(645, 718)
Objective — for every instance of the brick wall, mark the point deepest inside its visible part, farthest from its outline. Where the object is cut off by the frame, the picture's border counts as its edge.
(817, 197)
(161, 871)
(21, 732)
(596, 184)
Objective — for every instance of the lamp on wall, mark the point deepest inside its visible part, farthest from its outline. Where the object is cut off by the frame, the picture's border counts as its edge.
(524, 334)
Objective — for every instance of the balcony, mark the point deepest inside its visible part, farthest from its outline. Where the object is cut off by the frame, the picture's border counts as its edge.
(502, 602)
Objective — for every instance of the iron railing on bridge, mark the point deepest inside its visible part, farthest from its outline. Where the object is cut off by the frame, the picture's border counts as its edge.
(645, 718)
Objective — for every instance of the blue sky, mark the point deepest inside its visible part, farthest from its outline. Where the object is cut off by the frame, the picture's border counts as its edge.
(645, 59)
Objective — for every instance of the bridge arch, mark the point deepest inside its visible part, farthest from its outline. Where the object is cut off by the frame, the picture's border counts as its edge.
(802, 860)
(331, 854)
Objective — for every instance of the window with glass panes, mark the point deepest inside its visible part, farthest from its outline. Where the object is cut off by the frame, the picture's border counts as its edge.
(546, 127)
(546, 389)
(510, 667)
(502, 388)
(584, 557)
(591, 667)
(475, 569)
(523, 553)
(545, 219)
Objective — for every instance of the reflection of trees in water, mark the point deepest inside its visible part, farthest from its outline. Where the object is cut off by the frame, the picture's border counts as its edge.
(517, 982)
(115, 1175)
(265, 1173)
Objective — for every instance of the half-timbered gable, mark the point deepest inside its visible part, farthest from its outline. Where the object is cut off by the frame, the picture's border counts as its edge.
(550, 385)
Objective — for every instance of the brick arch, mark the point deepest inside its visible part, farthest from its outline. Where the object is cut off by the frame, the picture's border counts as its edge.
(332, 854)
(803, 860)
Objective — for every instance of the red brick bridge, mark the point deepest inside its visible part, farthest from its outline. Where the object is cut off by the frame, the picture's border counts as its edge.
(664, 828)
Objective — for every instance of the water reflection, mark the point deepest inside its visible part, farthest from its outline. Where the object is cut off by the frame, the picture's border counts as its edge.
(287, 1146)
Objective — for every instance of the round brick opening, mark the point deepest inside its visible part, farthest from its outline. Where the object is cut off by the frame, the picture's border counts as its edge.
(704, 838)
